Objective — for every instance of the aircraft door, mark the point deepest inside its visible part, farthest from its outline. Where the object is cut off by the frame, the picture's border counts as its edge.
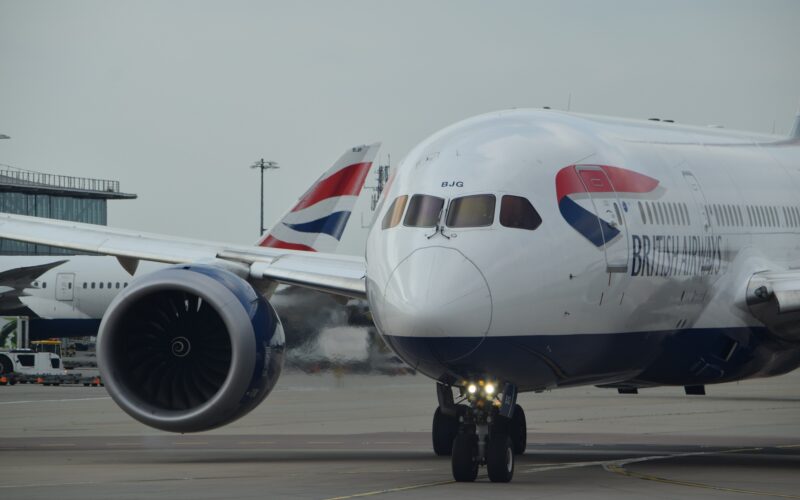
(65, 284)
(610, 212)
(699, 200)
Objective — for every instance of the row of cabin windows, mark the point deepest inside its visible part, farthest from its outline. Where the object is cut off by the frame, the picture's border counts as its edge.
(675, 214)
(726, 215)
(792, 216)
(757, 215)
(466, 211)
(769, 216)
(91, 285)
(101, 284)
(721, 214)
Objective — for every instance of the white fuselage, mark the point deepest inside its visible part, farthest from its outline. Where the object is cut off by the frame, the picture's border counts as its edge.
(725, 206)
(80, 288)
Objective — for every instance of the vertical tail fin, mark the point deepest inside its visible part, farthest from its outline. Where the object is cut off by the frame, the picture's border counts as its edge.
(318, 220)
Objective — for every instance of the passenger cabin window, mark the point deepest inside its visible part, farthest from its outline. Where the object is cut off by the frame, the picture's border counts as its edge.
(471, 211)
(517, 212)
(423, 211)
(395, 213)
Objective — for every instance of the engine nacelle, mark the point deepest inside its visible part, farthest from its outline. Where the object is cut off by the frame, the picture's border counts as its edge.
(190, 348)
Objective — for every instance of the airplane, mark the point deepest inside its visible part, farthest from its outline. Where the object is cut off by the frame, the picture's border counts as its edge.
(515, 251)
(67, 296)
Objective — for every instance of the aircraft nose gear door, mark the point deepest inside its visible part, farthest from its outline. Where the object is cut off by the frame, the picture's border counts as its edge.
(65, 282)
(611, 218)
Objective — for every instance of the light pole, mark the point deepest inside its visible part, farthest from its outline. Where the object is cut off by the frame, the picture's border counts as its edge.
(263, 165)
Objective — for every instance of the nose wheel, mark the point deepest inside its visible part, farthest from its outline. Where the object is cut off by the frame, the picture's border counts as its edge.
(500, 459)
(480, 431)
(465, 458)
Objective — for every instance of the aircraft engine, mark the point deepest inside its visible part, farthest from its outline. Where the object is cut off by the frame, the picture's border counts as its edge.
(189, 348)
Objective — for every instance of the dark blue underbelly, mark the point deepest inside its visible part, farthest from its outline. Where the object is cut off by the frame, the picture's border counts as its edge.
(533, 362)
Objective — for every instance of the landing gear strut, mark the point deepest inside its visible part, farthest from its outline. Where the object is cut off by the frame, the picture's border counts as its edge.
(483, 429)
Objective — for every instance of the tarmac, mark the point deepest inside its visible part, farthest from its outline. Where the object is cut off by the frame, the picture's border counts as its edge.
(356, 436)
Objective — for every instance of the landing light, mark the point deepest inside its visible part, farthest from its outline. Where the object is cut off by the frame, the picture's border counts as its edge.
(489, 389)
(472, 388)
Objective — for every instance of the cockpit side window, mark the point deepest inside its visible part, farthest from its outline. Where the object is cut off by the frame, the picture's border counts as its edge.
(423, 211)
(517, 212)
(395, 213)
(471, 211)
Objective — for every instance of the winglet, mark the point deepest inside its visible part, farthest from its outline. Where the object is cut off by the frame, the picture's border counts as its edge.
(317, 221)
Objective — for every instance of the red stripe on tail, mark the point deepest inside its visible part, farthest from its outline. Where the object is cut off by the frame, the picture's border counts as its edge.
(346, 182)
(273, 242)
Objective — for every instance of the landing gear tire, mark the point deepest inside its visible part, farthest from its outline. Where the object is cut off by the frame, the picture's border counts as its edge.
(445, 430)
(465, 458)
(499, 459)
(515, 428)
(518, 430)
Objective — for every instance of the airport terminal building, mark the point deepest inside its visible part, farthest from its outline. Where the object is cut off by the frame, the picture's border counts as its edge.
(63, 197)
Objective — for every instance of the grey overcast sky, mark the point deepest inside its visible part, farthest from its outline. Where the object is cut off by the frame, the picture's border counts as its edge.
(175, 99)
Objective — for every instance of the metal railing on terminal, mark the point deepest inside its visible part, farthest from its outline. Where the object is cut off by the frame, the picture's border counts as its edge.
(28, 177)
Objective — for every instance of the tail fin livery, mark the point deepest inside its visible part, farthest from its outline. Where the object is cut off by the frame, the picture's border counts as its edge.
(318, 220)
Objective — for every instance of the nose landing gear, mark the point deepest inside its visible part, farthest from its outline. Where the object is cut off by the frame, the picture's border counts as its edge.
(483, 429)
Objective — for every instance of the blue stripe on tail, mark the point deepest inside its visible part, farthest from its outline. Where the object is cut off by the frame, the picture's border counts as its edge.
(332, 224)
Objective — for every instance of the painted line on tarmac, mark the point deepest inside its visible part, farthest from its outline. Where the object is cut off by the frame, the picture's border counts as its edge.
(45, 485)
(567, 465)
(392, 490)
(52, 400)
(619, 467)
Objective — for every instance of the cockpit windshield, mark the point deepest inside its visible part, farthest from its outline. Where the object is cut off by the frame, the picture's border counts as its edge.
(471, 211)
(477, 210)
(517, 212)
(395, 213)
(423, 211)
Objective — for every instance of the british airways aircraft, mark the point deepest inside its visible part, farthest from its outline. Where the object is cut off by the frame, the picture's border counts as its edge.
(516, 251)
(67, 296)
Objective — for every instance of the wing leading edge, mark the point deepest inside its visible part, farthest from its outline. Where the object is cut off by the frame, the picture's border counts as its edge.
(774, 299)
(331, 273)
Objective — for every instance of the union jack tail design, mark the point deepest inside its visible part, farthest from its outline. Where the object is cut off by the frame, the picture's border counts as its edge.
(318, 220)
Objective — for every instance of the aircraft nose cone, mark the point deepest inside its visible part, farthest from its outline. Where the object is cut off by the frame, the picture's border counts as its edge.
(438, 295)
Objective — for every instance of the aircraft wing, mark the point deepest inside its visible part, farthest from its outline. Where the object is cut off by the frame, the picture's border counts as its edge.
(773, 297)
(331, 273)
(23, 277)
(781, 287)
